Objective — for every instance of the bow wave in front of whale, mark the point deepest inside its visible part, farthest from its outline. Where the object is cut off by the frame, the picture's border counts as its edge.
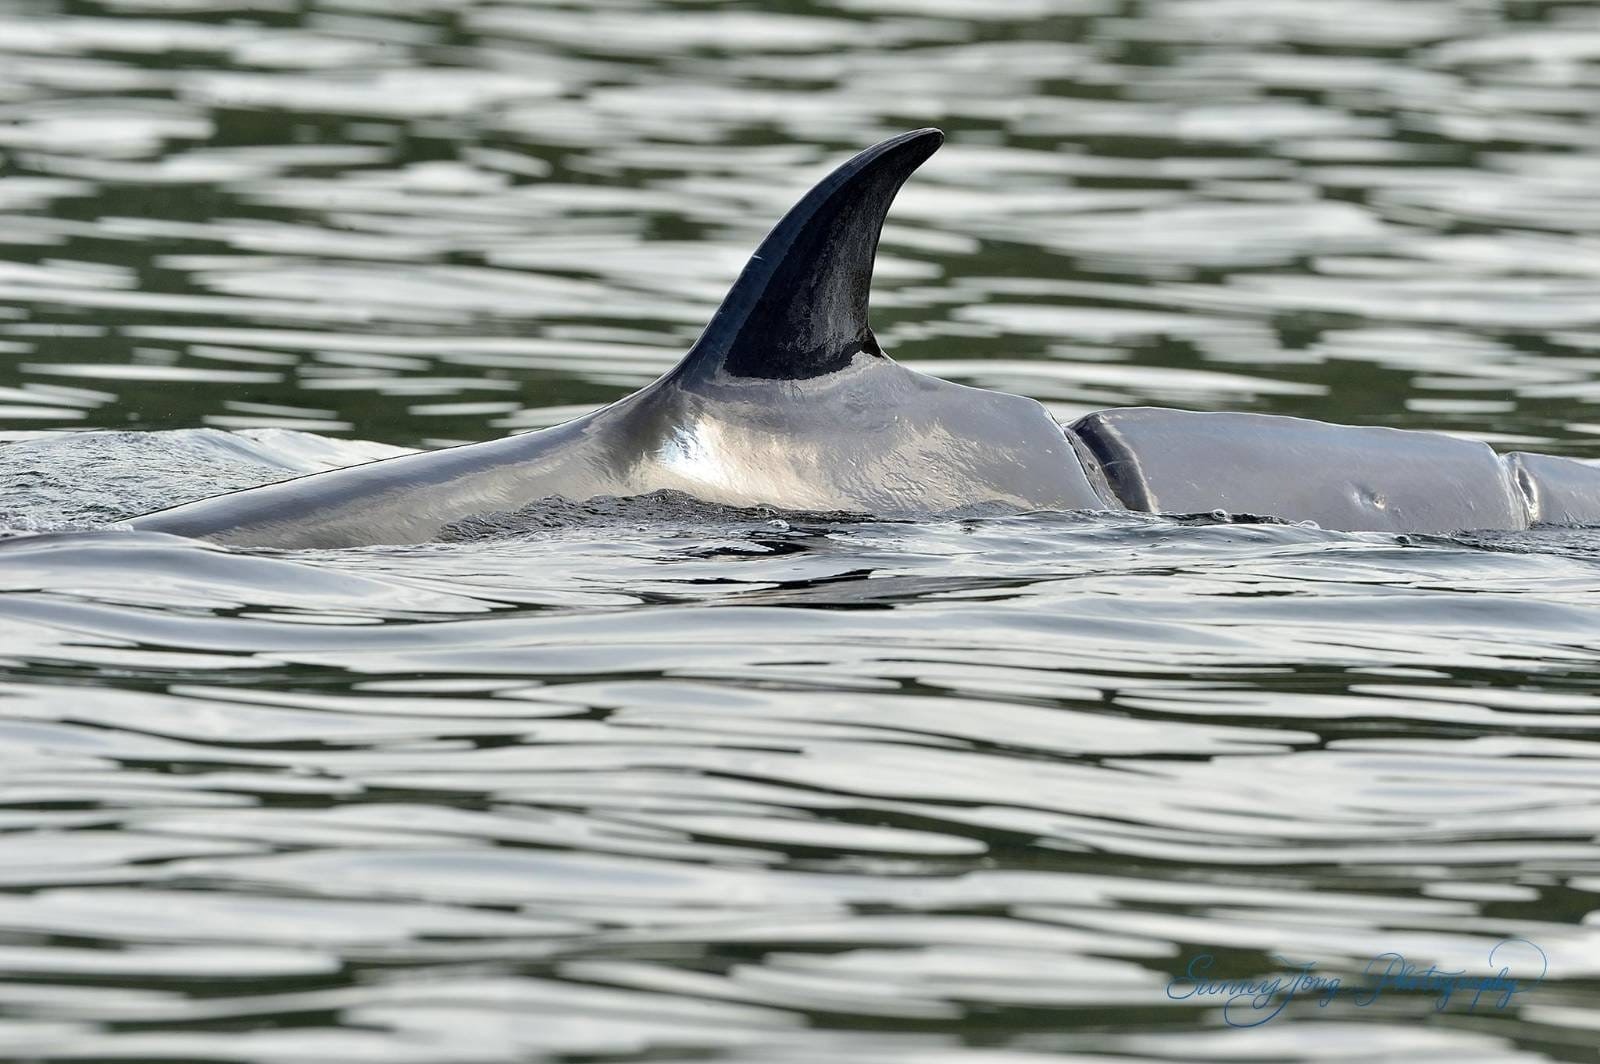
(787, 400)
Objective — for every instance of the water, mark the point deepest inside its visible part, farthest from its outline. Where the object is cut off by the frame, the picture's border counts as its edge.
(650, 780)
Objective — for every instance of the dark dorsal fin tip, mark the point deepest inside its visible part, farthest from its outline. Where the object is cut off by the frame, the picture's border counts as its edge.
(799, 307)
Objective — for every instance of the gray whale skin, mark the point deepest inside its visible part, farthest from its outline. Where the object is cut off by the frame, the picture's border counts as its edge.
(786, 399)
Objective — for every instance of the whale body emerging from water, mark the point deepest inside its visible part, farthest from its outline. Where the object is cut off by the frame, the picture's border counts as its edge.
(787, 400)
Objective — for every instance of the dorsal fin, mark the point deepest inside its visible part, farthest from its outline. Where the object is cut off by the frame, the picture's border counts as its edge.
(799, 308)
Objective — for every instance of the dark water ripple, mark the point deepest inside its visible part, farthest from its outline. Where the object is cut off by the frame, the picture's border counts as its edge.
(647, 780)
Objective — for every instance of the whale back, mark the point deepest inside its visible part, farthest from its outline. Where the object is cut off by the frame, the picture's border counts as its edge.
(1559, 491)
(785, 399)
(788, 397)
(1354, 478)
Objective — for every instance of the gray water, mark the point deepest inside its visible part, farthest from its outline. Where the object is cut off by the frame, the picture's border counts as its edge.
(650, 780)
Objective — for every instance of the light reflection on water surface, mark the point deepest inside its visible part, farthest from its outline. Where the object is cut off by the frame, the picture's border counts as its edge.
(656, 781)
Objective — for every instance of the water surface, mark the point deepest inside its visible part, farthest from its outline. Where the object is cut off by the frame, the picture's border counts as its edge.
(650, 780)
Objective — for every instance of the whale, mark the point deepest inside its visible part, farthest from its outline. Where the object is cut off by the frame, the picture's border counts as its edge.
(788, 400)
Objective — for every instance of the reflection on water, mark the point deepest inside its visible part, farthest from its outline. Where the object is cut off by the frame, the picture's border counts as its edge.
(653, 780)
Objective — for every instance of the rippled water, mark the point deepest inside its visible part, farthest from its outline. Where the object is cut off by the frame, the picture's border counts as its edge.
(654, 780)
